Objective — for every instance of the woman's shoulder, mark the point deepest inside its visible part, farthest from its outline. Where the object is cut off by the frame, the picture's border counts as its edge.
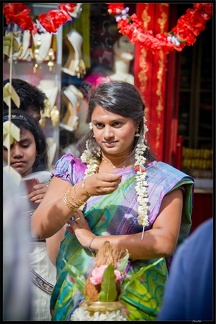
(163, 169)
(68, 165)
(68, 158)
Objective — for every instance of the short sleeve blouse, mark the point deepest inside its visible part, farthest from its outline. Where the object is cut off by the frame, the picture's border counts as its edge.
(69, 168)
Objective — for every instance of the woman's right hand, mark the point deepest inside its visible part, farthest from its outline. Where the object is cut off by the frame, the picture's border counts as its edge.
(102, 183)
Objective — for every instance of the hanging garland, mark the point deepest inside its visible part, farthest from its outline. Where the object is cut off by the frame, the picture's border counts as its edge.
(18, 13)
(183, 34)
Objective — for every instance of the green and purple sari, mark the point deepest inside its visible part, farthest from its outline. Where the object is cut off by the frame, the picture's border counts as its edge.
(116, 214)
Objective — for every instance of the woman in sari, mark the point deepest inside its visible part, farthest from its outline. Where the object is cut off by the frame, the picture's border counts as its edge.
(116, 191)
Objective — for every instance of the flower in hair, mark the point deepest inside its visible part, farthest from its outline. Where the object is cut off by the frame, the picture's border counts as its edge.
(141, 185)
(88, 158)
(90, 126)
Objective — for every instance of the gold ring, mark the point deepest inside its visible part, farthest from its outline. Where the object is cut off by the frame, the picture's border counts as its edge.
(77, 219)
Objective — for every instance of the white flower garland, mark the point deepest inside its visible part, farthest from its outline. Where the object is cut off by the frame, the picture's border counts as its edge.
(141, 182)
(81, 314)
(88, 158)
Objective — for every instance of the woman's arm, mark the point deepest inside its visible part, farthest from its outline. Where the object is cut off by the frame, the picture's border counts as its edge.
(160, 241)
(53, 244)
(53, 212)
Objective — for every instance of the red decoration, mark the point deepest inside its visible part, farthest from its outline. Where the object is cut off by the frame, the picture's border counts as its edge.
(150, 62)
(18, 13)
(184, 33)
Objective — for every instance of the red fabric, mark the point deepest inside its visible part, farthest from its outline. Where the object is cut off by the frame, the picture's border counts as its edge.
(149, 72)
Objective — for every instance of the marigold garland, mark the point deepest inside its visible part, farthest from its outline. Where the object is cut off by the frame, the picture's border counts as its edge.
(184, 33)
(18, 13)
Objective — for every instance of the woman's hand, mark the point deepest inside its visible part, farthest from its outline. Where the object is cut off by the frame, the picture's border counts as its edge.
(80, 228)
(38, 193)
(102, 183)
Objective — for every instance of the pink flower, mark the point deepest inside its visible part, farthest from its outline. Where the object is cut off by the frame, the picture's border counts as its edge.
(117, 275)
(97, 274)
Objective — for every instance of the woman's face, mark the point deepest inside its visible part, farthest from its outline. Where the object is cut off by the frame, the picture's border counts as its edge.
(113, 133)
(124, 49)
(22, 153)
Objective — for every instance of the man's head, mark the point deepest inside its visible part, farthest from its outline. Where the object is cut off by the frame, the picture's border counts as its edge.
(31, 98)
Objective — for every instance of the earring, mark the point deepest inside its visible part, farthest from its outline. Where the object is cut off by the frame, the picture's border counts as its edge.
(137, 134)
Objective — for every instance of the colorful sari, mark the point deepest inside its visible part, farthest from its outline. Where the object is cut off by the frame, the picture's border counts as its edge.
(116, 214)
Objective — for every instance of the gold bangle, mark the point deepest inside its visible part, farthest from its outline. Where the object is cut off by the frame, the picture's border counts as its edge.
(80, 202)
(70, 205)
(75, 203)
(84, 188)
(91, 242)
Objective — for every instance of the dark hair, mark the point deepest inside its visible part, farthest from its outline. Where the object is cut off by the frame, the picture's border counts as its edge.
(122, 98)
(24, 121)
(31, 98)
(118, 97)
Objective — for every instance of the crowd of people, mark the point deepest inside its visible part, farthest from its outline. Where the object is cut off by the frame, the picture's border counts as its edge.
(116, 191)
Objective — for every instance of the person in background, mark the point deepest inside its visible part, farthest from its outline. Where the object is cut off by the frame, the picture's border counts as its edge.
(17, 297)
(189, 288)
(32, 99)
(29, 158)
(115, 191)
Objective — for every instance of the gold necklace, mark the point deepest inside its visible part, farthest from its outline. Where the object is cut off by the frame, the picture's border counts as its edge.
(120, 166)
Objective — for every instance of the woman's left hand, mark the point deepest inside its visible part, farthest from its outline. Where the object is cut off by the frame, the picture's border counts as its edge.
(80, 228)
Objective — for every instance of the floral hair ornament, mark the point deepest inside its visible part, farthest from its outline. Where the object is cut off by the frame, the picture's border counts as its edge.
(184, 33)
(91, 161)
(90, 126)
(141, 182)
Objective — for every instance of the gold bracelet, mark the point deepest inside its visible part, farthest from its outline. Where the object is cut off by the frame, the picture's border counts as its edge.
(84, 188)
(75, 204)
(91, 242)
(70, 205)
(80, 202)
